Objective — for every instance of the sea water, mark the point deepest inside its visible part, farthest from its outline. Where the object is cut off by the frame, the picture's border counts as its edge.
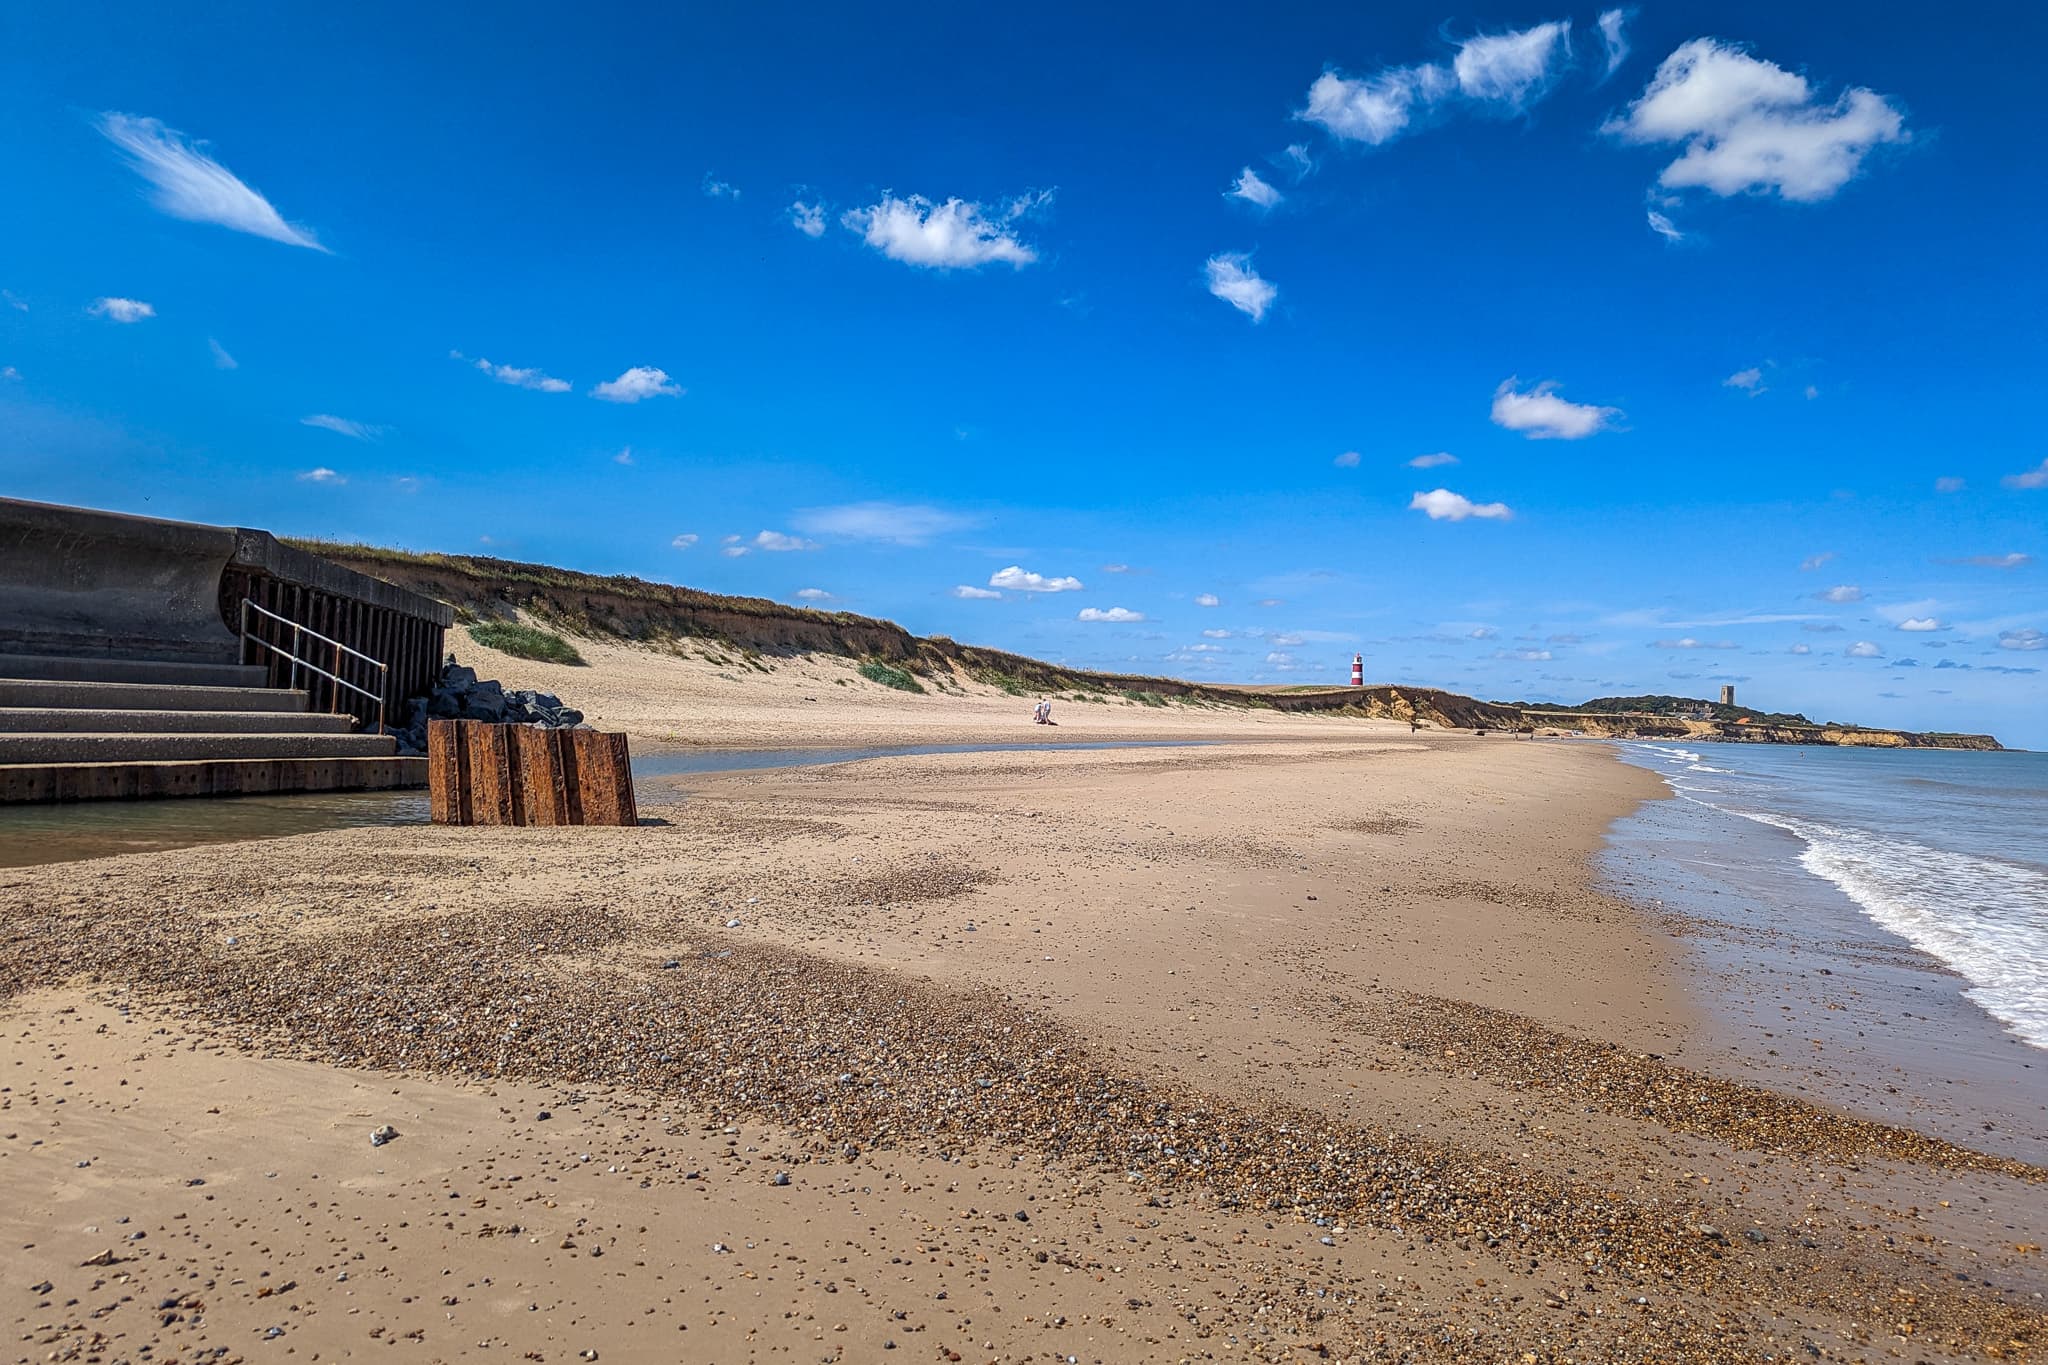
(1946, 849)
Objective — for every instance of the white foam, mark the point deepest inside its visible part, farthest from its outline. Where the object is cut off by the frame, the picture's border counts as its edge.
(1985, 918)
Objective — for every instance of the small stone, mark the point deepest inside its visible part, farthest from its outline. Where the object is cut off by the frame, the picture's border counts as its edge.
(781, 1178)
(380, 1136)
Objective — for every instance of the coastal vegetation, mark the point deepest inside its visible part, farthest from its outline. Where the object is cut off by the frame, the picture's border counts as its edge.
(524, 642)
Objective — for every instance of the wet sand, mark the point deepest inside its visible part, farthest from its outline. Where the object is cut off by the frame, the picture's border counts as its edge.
(1325, 1044)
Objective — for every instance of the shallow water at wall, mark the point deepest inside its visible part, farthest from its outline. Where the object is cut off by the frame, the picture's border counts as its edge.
(33, 834)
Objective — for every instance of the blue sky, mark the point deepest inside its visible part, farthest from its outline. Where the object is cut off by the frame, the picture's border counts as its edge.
(1108, 337)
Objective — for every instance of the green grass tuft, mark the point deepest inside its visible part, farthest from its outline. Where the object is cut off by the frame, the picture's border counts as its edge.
(874, 670)
(524, 642)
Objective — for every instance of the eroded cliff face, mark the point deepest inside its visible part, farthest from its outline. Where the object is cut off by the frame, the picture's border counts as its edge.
(1609, 726)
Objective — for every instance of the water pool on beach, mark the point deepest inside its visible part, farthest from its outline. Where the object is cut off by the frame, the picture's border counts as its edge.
(1868, 926)
(35, 834)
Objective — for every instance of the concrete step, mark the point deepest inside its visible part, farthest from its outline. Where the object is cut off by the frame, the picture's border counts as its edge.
(46, 748)
(61, 720)
(176, 671)
(111, 696)
(205, 777)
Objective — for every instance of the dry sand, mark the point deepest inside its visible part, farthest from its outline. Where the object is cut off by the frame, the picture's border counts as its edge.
(1316, 1041)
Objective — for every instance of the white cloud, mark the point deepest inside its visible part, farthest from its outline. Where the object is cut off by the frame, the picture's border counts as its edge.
(1116, 568)
(624, 457)
(1688, 642)
(14, 301)
(1541, 415)
(642, 381)
(950, 236)
(518, 378)
(2029, 639)
(1282, 660)
(775, 542)
(1232, 279)
(1613, 39)
(733, 551)
(1272, 601)
(685, 540)
(1443, 505)
(1018, 579)
(2007, 561)
(1921, 624)
(1117, 615)
(1864, 649)
(1750, 381)
(1250, 188)
(714, 188)
(1532, 656)
(321, 475)
(730, 540)
(1800, 649)
(1436, 461)
(974, 594)
(814, 594)
(1481, 633)
(1949, 483)
(809, 219)
(1812, 562)
(9, 372)
(1348, 460)
(1217, 634)
(894, 522)
(2032, 478)
(191, 185)
(122, 310)
(1298, 160)
(1507, 68)
(1841, 592)
(1749, 125)
(1208, 599)
(1812, 391)
(1662, 225)
(221, 359)
(342, 426)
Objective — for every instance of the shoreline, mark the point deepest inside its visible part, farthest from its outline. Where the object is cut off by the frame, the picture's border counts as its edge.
(1323, 1005)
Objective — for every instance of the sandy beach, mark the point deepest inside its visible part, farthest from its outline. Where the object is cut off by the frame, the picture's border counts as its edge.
(1316, 1039)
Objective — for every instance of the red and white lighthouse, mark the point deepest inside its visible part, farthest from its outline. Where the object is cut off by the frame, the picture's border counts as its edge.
(1358, 670)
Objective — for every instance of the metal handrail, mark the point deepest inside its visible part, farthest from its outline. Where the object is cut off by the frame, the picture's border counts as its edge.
(299, 632)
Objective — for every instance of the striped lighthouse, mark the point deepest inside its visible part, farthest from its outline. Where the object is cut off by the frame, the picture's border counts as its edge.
(1358, 670)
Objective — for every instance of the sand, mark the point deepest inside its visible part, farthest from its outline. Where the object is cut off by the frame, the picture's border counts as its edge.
(1315, 1040)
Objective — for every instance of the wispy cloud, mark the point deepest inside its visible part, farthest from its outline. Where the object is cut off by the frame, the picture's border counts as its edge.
(2006, 561)
(1115, 615)
(1613, 38)
(1750, 126)
(778, 542)
(1541, 415)
(1661, 224)
(1442, 504)
(895, 523)
(1948, 483)
(2036, 477)
(1208, 599)
(1232, 279)
(624, 457)
(1688, 642)
(642, 381)
(1253, 190)
(221, 359)
(1436, 461)
(814, 594)
(2027, 639)
(191, 185)
(1534, 656)
(122, 310)
(342, 426)
(514, 375)
(974, 594)
(1019, 579)
(1348, 460)
(1841, 592)
(321, 475)
(1750, 381)
(685, 540)
(1503, 72)
(1920, 625)
(955, 235)
(714, 188)
(1864, 649)
(1218, 634)
(809, 219)
(1812, 562)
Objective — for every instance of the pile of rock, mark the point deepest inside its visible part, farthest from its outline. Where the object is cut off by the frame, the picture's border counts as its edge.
(460, 695)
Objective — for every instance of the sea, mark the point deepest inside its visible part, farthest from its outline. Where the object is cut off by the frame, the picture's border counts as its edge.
(1867, 925)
